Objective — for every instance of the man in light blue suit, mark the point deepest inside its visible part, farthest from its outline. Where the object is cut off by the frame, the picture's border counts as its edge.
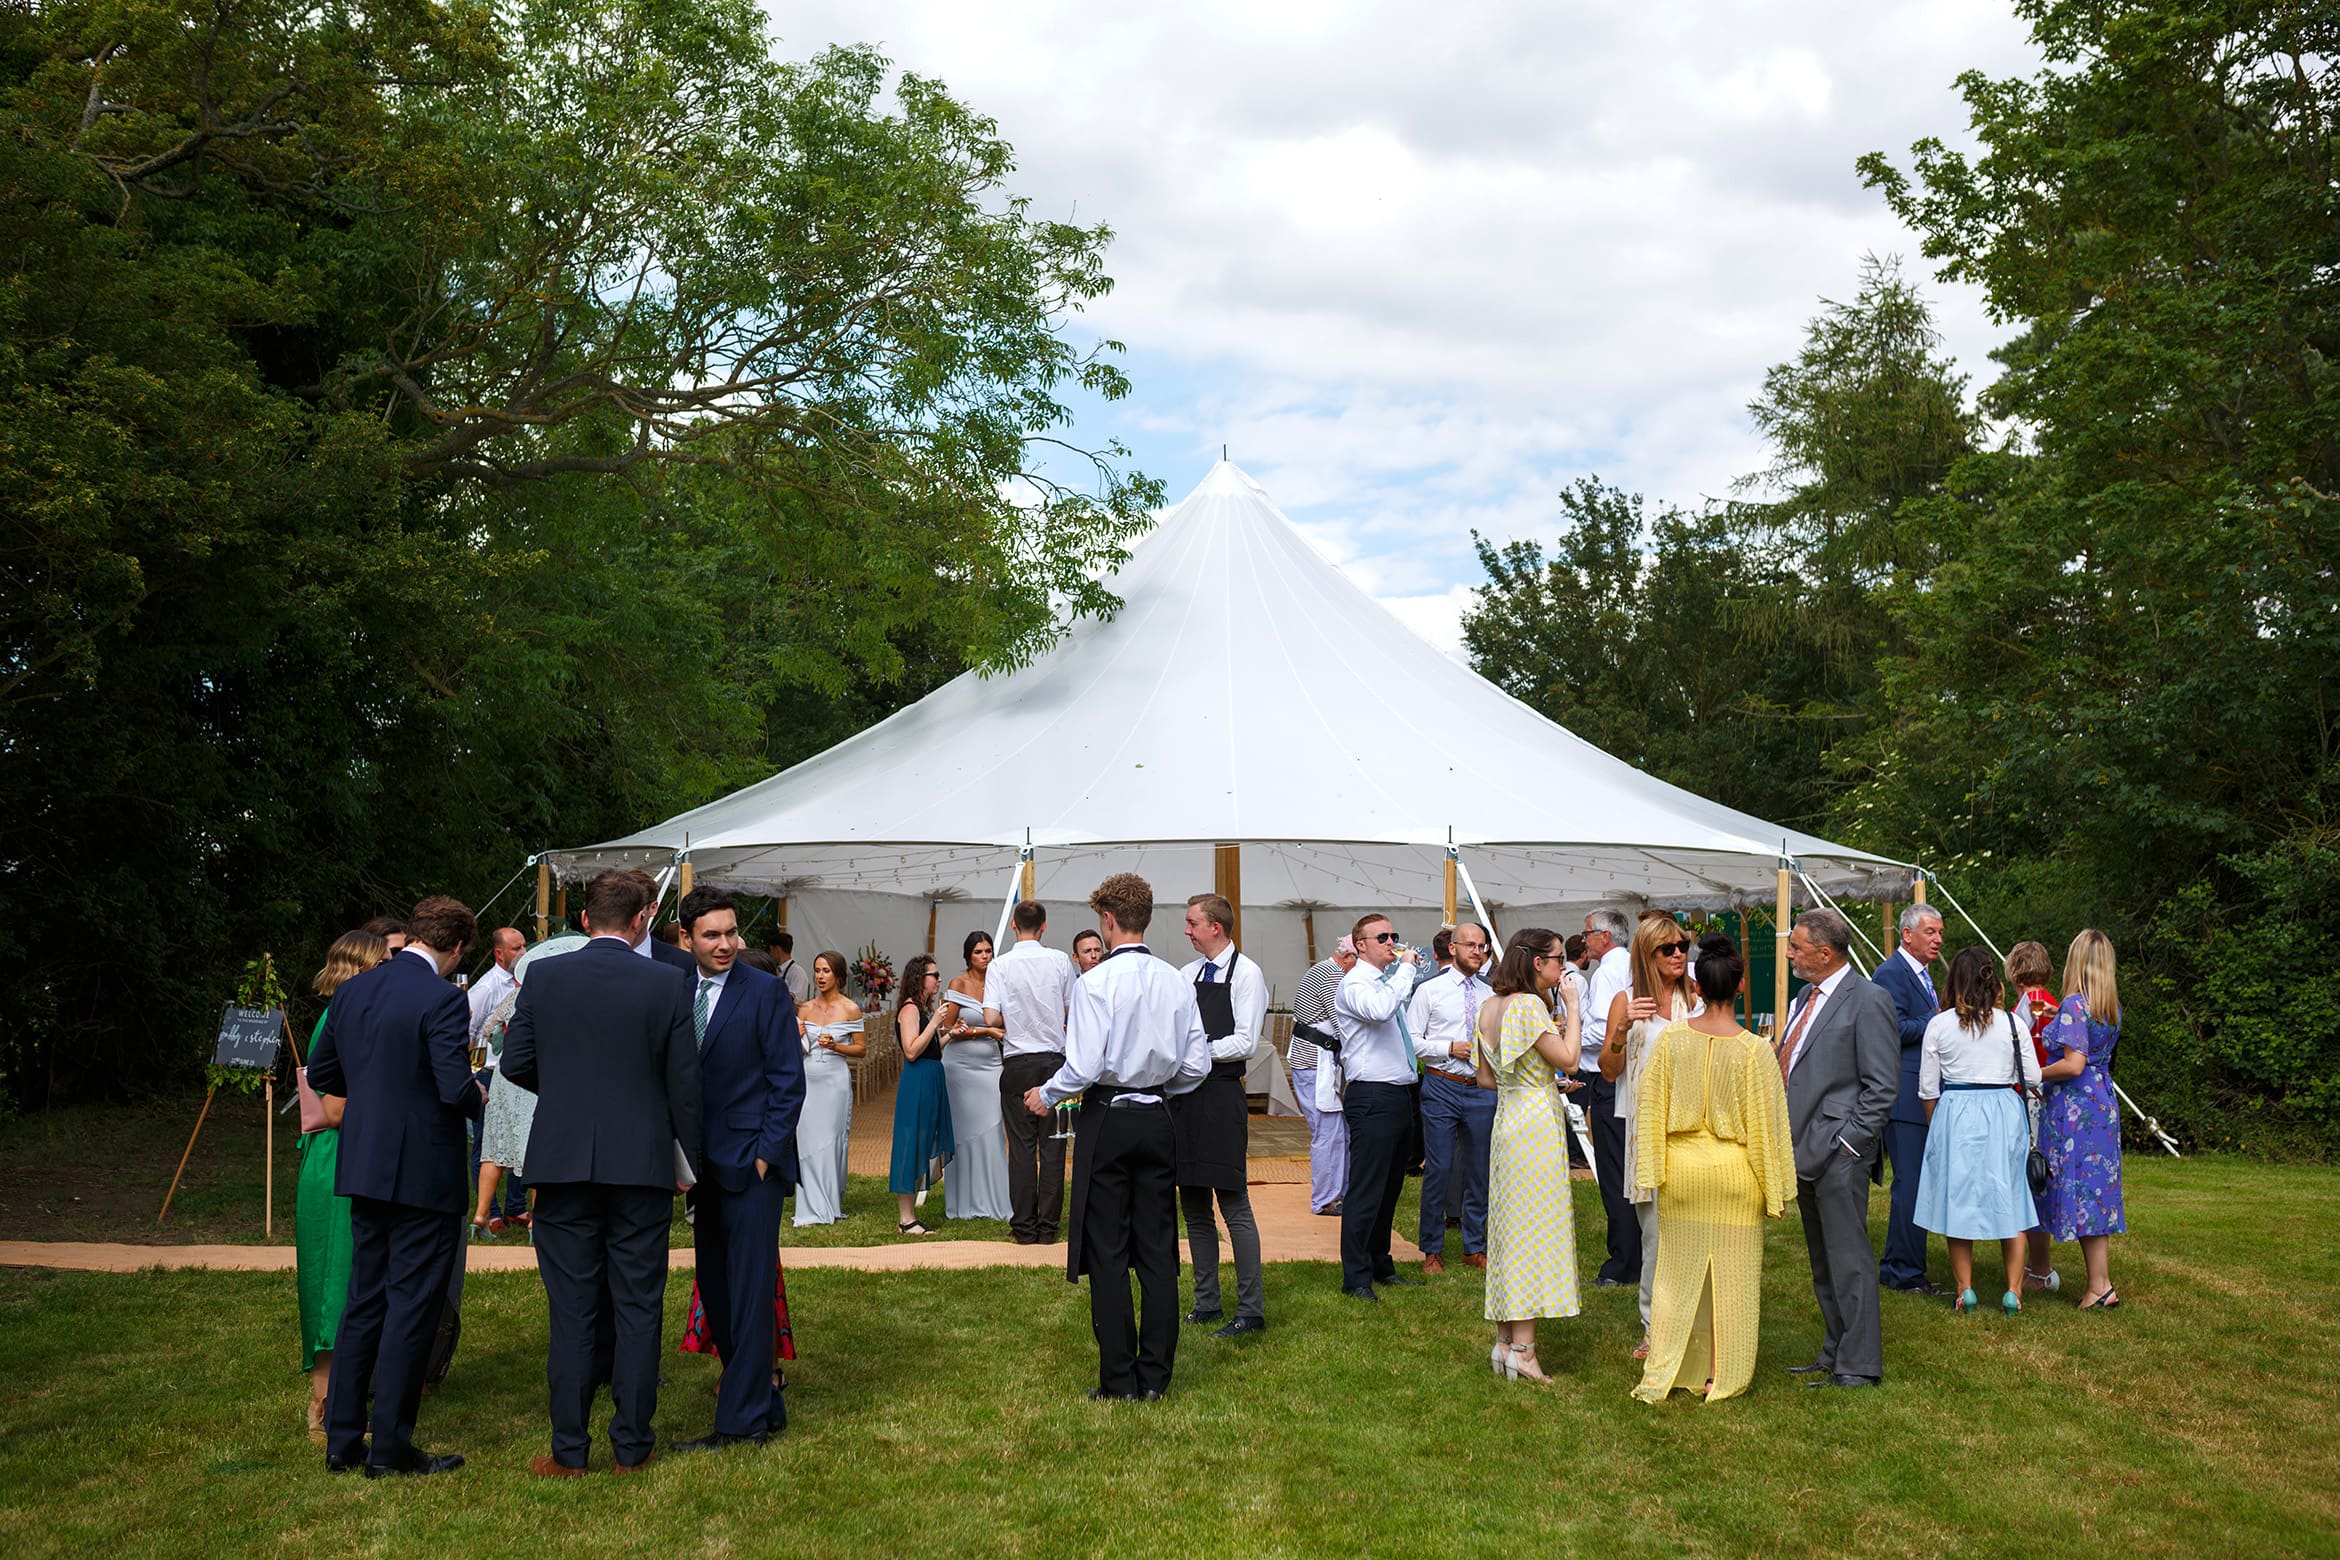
(1907, 980)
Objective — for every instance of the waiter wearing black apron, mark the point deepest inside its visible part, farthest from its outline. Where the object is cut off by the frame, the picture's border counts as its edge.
(1213, 1122)
(1133, 1043)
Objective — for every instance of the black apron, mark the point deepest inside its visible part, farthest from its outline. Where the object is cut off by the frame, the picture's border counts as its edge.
(1087, 1120)
(1212, 1122)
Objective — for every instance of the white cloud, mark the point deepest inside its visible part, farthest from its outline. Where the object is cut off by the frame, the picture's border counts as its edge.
(1419, 269)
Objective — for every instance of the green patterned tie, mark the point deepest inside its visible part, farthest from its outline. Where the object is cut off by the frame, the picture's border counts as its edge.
(699, 1012)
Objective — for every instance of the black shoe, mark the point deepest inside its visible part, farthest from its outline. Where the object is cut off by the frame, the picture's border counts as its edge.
(716, 1440)
(1454, 1221)
(1812, 1368)
(1242, 1325)
(418, 1465)
(334, 1464)
(1201, 1318)
(1404, 1281)
(1921, 1287)
(1363, 1294)
(1100, 1395)
(1843, 1381)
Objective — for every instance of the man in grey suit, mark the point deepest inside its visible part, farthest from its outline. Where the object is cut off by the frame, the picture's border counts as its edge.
(1842, 1058)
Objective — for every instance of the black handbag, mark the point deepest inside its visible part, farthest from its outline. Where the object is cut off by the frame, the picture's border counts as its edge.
(2035, 1165)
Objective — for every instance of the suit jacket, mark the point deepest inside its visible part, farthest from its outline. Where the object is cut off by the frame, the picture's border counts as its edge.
(603, 1037)
(751, 1080)
(1915, 1007)
(1843, 1085)
(395, 1046)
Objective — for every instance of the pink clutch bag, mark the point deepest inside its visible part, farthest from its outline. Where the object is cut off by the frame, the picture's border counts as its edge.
(312, 1104)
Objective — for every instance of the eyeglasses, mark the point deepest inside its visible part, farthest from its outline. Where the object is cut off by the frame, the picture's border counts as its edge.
(1555, 954)
(1383, 937)
(1668, 950)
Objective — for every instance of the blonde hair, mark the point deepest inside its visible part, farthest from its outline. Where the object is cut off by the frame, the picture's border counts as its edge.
(2090, 971)
(1647, 981)
(352, 953)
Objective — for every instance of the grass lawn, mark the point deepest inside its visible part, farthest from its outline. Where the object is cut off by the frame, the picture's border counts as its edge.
(940, 1412)
(99, 1173)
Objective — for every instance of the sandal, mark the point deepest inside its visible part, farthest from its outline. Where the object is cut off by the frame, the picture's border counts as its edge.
(2110, 1300)
(912, 1228)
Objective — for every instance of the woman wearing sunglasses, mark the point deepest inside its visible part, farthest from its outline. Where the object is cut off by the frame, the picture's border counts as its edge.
(1660, 994)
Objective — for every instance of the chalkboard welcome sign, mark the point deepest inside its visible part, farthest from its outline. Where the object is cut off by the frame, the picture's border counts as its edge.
(248, 1038)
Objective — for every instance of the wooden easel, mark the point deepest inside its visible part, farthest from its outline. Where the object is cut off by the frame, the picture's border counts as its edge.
(268, 1153)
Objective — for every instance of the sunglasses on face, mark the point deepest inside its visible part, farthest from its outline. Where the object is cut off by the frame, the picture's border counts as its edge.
(1382, 937)
(1668, 950)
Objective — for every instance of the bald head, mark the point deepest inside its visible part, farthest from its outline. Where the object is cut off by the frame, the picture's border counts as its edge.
(508, 945)
(1470, 947)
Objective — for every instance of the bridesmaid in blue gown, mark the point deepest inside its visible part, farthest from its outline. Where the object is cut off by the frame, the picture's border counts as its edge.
(922, 1104)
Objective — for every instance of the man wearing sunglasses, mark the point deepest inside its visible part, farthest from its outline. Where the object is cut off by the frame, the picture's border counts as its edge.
(1377, 1058)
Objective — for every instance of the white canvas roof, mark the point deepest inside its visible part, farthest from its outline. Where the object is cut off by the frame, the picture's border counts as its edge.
(1246, 693)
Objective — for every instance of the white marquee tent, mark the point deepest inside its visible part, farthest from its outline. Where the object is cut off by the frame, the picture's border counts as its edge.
(1246, 695)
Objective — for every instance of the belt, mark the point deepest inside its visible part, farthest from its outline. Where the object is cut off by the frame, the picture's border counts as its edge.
(1229, 1069)
(1981, 1086)
(1114, 1094)
(1323, 1040)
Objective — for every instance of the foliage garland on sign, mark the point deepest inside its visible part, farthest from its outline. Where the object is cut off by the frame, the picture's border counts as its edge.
(259, 988)
(873, 973)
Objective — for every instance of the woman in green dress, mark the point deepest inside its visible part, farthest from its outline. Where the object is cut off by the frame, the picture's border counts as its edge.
(320, 1219)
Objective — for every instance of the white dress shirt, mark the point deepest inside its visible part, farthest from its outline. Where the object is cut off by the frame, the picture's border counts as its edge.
(1029, 987)
(1365, 1014)
(1133, 1026)
(1953, 1053)
(1814, 998)
(714, 985)
(1249, 999)
(1924, 975)
(1612, 975)
(493, 987)
(1442, 1011)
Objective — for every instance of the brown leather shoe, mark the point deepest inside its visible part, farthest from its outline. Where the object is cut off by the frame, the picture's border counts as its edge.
(647, 1459)
(1433, 1265)
(1477, 1259)
(544, 1467)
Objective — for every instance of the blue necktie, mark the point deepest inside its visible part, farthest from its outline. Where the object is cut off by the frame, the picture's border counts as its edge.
(1210, 971)
(1405, 1028)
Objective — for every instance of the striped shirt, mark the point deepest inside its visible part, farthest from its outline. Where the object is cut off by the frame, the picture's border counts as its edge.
(1313, 1007)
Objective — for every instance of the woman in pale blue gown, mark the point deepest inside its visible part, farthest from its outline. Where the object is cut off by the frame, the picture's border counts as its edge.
(977, 1187)
(831, 1023)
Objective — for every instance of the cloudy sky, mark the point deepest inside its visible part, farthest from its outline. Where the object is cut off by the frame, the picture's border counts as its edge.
(1419, 267)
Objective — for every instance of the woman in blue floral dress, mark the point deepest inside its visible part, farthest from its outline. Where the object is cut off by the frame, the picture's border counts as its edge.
(2079, 1123)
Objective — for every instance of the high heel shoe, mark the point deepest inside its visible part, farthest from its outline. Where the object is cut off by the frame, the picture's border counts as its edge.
(2110, 1300)
(2011, 1303)
(1514, 1370)
(1963, 1304)
(1495, 1356)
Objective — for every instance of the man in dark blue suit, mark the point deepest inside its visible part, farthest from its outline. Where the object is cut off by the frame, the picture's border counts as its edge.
(394, 1047)
(603, 1038)
(751, 1079)
(654, 947)
(1907, 980)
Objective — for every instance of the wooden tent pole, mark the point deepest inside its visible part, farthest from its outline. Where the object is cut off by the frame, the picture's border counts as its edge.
(1227, 883)
(932, 905)
(561, 904)
(182, 1170)
(682, 878)
(1917, 890)
(784, 912)
(1308, 925)
(1779, 974)
(1028, 886)
(543, 898)
(1449, 901)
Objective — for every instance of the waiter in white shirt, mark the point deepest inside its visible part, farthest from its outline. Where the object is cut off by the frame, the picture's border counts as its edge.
(1608, 936)
(1213, 1123)
(1134, 1040)
(497, 984)
(1458, 1117)
(1025, 994)
(1377, 1058)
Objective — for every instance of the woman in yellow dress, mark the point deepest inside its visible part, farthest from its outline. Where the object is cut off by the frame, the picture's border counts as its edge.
(1713, 1144)
(1531, 1228)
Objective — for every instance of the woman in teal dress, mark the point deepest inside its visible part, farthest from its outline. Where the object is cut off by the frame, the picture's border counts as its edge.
(922, 1103)
(321, 1240)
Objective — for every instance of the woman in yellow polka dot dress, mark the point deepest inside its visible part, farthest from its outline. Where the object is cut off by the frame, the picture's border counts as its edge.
(1713, 1144)
(1531, 1228)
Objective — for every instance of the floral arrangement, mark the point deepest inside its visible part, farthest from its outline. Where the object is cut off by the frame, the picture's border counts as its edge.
(873, 972)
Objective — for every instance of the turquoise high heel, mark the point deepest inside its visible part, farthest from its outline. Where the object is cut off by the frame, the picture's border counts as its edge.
(1963, 1304)
(2010, 1302)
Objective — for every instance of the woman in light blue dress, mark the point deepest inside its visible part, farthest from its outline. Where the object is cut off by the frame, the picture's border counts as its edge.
(831, 1024)
(1974, 1071)
(977, 1187)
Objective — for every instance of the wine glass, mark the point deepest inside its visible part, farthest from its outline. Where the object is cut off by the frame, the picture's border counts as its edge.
(1064, 1119)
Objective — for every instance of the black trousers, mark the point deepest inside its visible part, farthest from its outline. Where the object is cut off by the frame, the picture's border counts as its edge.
(1598, 1099)
(1129, 1219)
(602, 1249)
(1381, 1129)
(1035, 1153)
(739, 1257)
(399, 1262)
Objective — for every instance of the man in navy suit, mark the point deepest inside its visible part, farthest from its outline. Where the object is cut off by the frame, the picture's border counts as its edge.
(395, 1047)
(751, 1080)
(649, 944)
(603, 1038)
(1915, 1001)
